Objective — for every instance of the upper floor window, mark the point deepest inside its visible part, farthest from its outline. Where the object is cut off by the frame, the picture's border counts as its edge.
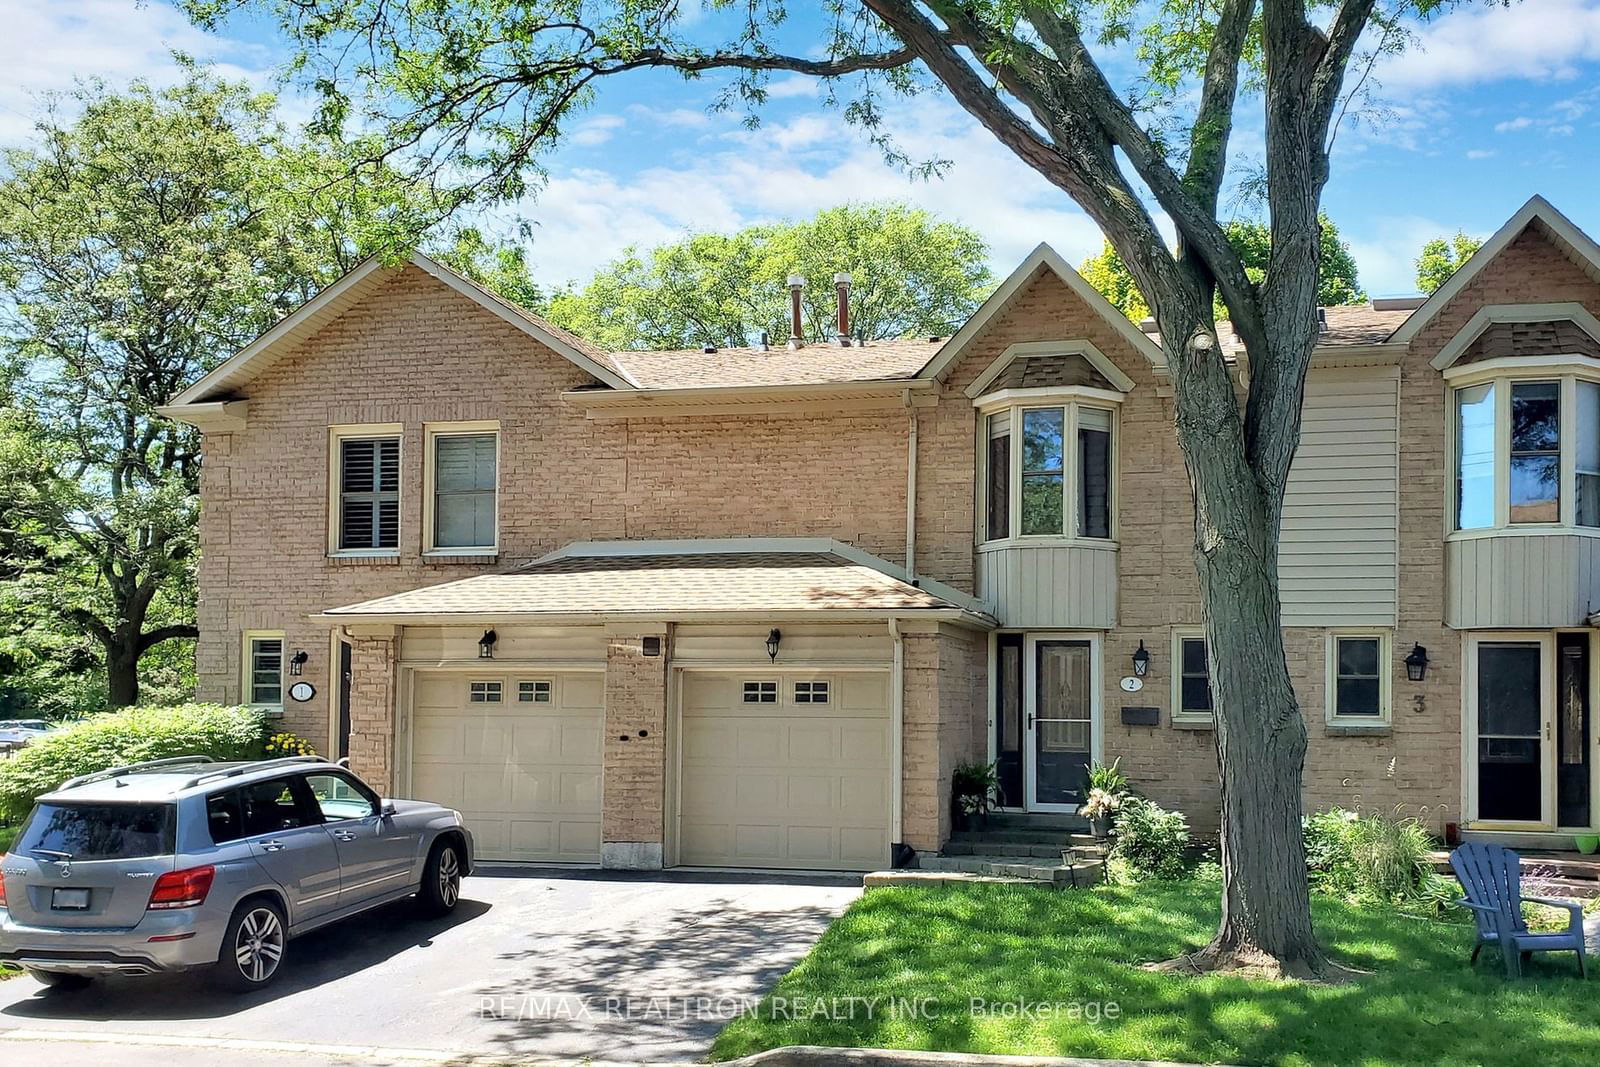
(1527, 453)
(462, 463)
(1062, 471)
(368, 512)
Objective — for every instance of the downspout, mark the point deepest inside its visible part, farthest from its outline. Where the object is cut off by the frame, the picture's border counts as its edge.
(911, 490)
(897, 720)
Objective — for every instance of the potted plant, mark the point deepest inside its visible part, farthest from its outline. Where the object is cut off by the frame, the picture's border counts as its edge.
(973, 788)
(1100, 808)
(1106, 786)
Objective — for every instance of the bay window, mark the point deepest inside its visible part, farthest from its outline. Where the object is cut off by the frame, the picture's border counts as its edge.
(1527, 451)
(1061, 471)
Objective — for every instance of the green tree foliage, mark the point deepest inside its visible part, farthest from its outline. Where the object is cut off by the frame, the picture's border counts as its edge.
(1338, 282)
(911, 274)
(142, 240)
(1442, 257)
(129, 736)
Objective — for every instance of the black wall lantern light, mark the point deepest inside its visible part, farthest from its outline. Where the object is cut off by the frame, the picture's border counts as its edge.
(774, 638)
(486, 644)
(297, 661)
(1141, 660)
(1417, 664)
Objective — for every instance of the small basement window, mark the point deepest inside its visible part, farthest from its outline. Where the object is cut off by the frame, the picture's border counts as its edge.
(761, 692)
(811, 692)
(533, 692)
(484, 692)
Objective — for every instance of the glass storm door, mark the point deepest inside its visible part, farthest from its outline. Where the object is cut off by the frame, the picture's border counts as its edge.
(1511, 712)
(1060, 723)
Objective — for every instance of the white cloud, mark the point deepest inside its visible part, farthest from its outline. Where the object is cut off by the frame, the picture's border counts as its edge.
(1481, 153)
(596, 131)
(687, 117)
(1540, 40)
(1386, 248)
(46, 46)
(585, 217)
(793, 85)
(1521, 122)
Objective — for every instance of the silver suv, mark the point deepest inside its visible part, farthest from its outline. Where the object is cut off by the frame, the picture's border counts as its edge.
(183, 863)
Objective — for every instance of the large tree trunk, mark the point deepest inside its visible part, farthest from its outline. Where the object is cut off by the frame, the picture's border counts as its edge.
(122, 673)
(1260, 735)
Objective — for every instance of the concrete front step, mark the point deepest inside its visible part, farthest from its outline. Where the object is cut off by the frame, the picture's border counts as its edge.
(1571, 888)
(1572, 866)
(1035, 820)
(1058, 838)
(987, 846)
(1089, 872)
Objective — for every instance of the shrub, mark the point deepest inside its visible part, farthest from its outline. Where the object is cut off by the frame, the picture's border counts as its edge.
(1152, 840)
(1374, 859)
(127, 736)
(1109, 780)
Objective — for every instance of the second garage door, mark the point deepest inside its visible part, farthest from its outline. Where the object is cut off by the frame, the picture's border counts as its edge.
(784, 770)
(517, 755)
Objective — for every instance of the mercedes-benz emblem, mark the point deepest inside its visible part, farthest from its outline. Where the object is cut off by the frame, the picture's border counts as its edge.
(66, 868)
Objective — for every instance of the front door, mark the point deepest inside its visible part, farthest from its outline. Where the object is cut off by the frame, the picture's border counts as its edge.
(1061, 701)
(1510, 718)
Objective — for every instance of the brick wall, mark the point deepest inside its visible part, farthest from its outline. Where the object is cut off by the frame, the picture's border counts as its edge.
(944, 726)
(373, 663)
(632, 825)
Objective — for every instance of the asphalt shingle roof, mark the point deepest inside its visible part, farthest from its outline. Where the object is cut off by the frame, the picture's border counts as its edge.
(663, 585)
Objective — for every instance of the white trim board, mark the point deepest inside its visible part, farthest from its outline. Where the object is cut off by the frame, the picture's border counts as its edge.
(1040, 349)
(1495, 314)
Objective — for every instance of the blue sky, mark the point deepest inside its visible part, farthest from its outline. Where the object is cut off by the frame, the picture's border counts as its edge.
(1491, 106)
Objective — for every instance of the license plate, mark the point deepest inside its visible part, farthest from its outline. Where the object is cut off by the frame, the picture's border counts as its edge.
(69, 899)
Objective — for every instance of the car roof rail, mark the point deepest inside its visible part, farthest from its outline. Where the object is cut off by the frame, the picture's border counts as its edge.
(251, 768)
(116, 772)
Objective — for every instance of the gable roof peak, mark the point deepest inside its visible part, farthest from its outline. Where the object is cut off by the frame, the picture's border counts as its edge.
(1576, 245)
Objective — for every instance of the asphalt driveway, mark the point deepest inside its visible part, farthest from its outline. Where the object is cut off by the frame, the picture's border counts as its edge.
(546, 965)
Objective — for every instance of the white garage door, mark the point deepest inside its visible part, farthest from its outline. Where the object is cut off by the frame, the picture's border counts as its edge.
(518, 755)
(784, 770)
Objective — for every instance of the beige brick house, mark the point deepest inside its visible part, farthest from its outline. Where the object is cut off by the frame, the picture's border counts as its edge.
(752, 607)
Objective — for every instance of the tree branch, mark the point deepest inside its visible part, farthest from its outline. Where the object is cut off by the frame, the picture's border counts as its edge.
(150, 638)
(820, 68)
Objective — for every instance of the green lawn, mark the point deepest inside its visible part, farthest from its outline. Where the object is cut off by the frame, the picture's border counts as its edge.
(1019, 944)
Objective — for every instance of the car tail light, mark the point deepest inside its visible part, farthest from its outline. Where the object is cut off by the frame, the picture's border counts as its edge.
(3, 857)
(182, 889)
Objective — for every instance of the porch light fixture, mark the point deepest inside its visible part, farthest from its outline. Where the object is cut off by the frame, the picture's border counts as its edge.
(1141, 660)
(486, 644)
(1417, 664)
(773, 639)
(297, 661)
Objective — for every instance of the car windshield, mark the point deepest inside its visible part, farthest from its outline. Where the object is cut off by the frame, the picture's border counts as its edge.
(99, 831)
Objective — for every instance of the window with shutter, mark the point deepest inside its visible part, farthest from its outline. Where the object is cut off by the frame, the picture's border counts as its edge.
(464, 491)
(263, 669)
(369, 493)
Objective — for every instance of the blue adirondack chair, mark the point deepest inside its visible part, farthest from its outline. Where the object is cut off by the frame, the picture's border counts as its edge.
(1492, 877)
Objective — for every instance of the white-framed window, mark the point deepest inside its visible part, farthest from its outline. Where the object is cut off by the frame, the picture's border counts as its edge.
(364, 490)
(485, 692)
(1191, 678)
(811, 692)
(1526, 442)
(261, 684)
(461, 498)
(1049, 470)
(539, 692)
(761, 692)
(1358, 678)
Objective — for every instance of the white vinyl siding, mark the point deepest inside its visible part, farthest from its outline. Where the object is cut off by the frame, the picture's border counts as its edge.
(1339, 547)
(369, 493)
(464, 490)
(1044, 587)
(1509, 581)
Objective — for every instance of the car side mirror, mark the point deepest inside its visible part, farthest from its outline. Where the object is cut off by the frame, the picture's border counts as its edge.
(388, 808)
